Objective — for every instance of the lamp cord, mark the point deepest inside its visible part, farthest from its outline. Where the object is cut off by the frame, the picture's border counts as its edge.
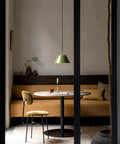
(62, 23)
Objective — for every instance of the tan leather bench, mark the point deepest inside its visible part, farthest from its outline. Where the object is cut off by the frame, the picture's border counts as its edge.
(88, 108)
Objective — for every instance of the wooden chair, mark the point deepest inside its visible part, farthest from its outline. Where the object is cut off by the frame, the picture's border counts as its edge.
(27, 99)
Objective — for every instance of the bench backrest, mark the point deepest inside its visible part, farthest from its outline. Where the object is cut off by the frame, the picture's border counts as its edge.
(16, 91)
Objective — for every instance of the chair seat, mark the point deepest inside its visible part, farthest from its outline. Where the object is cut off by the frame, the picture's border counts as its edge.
(37, 112)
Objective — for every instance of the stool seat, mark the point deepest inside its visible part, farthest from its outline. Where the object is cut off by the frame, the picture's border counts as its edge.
(37, 113)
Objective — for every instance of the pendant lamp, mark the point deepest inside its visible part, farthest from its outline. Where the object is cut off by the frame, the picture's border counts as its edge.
(62, 58)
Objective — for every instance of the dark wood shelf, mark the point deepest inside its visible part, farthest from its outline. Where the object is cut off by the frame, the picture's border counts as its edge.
(63, 79)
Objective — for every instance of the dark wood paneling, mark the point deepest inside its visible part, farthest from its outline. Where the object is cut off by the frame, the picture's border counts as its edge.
(93, 79)
(64, 80)
(43, 80)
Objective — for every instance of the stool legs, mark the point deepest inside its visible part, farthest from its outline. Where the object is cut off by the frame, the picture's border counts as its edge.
(47, 127)
(31, 126)
(43, 129)
(26, 130)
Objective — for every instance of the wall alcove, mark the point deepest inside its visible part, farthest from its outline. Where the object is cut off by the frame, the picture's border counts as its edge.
(76, 70)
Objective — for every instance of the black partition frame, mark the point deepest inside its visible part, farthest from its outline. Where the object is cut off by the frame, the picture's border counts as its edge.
(114, 71)
(2, 71)
(76, 71)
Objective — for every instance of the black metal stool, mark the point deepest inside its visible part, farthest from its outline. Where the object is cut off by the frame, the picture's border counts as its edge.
(27, 99)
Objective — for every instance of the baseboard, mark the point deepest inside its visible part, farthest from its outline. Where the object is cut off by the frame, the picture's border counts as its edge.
(85, 121)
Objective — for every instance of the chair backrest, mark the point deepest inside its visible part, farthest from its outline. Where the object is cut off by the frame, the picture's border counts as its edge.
(27, 97)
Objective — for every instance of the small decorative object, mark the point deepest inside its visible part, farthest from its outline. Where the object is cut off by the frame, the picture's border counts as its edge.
(51, 90)
(57, 82)
(35, 73)
(11, 39)
(28, 71)
(102, 137)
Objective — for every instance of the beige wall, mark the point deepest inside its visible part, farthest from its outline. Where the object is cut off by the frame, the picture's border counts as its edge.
(38, 33)
(93, 22)
(9, 58)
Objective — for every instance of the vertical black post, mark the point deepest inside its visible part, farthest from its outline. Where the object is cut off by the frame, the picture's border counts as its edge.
(76, 71)
(114, 72)
(62, 116)
(2, 71)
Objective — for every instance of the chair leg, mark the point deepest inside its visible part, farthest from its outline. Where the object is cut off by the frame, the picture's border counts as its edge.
(43, 129)
(47, 127)
(26, 130)
(31, 126)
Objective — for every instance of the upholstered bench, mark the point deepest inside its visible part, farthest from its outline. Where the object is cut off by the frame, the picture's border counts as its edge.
(88, 108)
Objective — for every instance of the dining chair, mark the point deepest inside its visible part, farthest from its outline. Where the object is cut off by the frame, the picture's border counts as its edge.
(27, 99)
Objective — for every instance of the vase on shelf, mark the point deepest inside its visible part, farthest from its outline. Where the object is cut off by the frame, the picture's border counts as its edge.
(35, 73)
(28, 71)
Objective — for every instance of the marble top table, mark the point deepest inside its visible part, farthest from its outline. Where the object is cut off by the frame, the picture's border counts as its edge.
(59, 93)
(60, 132)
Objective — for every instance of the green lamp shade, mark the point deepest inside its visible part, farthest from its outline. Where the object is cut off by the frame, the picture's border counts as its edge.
(62, 59)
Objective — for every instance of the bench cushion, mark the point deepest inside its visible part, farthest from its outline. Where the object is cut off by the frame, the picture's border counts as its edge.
(88, 108)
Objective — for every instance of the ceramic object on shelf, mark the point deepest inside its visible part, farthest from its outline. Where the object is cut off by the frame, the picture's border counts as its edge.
(35, 73)
(28, 71)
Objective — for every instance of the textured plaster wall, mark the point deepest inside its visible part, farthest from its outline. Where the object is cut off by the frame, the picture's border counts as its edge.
(9, 59)
(38, 33)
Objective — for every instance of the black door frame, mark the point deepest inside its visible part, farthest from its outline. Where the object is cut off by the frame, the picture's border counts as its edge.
(114, 71)
(76, 71)
(2, 71)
